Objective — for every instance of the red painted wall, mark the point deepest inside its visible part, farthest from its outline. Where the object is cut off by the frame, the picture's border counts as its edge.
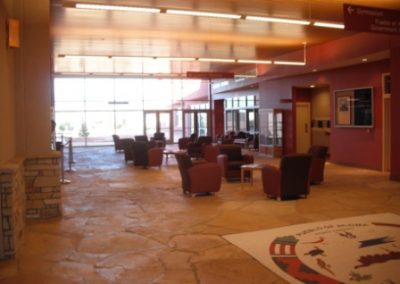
(395, 113)
(350, 146)
(218, 117)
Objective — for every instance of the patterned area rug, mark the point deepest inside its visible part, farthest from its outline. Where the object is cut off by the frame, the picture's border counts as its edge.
(364, 249)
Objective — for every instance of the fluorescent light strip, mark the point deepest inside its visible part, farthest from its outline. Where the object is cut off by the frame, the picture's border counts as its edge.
(86, 56)
(245, 76)
(278, 20)
(217, 60)
(202, 14)
(295, 63)
(222, 60)
(177, 58)
(329, 25)
(254, 61)
(116, 8)
(133, 57)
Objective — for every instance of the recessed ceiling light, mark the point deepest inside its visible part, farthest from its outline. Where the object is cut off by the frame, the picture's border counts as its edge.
(364, 59)
(312, 86)
(314, 70)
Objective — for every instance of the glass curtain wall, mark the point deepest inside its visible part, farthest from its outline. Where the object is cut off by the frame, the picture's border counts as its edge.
(241, 114)
(90, 110)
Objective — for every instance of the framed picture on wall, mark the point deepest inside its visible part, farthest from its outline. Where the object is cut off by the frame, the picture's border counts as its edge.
(343, 109)
(354, 108)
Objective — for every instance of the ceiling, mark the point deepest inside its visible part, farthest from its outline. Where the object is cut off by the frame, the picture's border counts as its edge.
(116, 33)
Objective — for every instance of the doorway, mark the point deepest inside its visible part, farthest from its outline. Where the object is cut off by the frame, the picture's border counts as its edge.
(195, 121)
(158, 121)
(303, 133)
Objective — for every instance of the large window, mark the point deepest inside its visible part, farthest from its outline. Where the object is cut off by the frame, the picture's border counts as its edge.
(241, 114)
(92, 109)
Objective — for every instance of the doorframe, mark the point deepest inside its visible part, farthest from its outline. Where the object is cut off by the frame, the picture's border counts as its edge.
(307, 104)
(157, 112)
(196, 122)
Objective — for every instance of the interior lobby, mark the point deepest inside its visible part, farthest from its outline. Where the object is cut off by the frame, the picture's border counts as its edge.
(236, 67)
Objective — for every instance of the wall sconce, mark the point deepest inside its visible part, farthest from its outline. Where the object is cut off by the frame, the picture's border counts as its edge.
(13, 33)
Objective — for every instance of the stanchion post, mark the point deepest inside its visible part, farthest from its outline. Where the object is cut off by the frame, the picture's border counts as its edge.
(71, 150)
(60, 147)
(70, 157)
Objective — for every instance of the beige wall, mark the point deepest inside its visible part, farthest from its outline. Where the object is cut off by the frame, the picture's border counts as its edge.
(25, 81)
(7, 92)
(33, 77)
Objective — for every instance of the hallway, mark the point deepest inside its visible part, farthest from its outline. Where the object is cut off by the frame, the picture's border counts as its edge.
(123, 224)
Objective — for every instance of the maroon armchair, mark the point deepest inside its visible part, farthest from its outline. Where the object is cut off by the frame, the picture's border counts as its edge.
(183, 143)
(231, 159)
(198, 177)
(146, 156)
(119, 142)
(210, 153)
(319, 155)
(195, 149)
(128, 150)
(291, 180)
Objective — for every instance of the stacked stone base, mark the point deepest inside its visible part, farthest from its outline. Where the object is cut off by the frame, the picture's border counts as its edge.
(12, 196)
(42, 181)
(29, 188)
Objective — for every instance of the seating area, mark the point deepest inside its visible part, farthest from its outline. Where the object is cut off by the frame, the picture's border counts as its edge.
(141, 151)
(198, 157)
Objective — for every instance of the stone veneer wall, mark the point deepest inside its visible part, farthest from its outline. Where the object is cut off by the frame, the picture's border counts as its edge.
(29, 188)
(12, 198)
(43, 188)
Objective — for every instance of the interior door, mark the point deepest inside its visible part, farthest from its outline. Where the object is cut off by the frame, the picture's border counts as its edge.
(303, 133)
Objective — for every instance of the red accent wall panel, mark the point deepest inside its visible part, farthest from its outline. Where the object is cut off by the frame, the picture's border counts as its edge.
(288, 133)
(395, 113)
(359, 147)
(218, 117)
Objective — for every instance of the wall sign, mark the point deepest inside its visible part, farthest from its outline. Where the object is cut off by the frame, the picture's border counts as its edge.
(210, 75)
(368, 19)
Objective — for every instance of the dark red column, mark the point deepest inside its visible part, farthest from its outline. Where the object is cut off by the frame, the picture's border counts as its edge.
(395, 113)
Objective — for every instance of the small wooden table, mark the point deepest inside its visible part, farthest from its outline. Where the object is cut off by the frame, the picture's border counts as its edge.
(167, 153)
(249, 168)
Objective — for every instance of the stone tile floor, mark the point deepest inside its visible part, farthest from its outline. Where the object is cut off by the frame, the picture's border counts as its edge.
(123, 224)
